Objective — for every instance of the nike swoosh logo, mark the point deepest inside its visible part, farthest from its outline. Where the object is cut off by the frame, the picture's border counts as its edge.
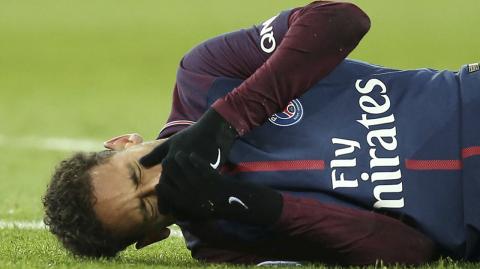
(217, 163)
(233, 199)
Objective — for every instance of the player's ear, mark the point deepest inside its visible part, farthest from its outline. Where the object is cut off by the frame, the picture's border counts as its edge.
(123, 141)
(154, 236)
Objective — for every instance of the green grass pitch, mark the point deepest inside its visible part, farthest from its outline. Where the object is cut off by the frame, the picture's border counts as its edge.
(94, 69)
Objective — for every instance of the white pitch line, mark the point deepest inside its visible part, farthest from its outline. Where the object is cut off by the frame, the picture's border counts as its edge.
(39, 225)
(51, 143)
(23, 225)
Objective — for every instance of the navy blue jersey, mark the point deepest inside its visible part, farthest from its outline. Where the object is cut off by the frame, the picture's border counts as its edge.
(366, 137)
(370, 137)
(376, 138)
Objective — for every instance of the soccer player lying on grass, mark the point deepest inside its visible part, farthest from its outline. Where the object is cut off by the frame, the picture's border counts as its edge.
(364, 162)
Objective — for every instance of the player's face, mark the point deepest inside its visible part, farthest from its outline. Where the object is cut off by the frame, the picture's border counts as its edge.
(126, 201)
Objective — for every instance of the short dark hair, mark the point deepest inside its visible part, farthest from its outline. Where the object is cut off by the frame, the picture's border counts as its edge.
(69, 213)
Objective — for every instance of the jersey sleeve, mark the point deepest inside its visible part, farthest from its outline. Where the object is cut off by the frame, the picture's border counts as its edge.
(319, 37)
(309, 230)
(279, 60)
(351, 236)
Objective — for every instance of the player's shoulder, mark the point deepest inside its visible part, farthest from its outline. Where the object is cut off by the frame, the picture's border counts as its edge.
(230, 50)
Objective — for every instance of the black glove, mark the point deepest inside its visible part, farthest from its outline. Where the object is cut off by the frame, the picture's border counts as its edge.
(211, 138)
(195, 191)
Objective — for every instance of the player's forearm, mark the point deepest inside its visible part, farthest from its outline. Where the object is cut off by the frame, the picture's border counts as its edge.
(336, 234)
(320, 36)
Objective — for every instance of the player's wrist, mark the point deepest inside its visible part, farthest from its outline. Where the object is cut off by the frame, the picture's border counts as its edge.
(218, 136)
(236, 119)
(225, 132)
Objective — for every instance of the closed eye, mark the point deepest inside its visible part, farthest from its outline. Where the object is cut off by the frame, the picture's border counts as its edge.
(150, 209)
(144, 210)
(139, 170)
(134, 175)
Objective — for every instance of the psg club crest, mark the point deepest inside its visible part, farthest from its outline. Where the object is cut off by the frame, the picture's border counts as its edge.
(291, 115)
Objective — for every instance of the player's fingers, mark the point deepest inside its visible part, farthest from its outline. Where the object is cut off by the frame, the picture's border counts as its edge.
(166, 198)
(178, 176)
(165, 175)
(200, 165)
(156, 155)
(190, 171)
(172, 203)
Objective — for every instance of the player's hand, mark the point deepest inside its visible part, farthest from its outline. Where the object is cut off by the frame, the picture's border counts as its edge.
(195, 191)
(211, 138)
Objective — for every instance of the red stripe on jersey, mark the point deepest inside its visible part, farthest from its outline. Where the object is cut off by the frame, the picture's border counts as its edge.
(470, 152)
(267, 166)
(442, 164)
(433, 164)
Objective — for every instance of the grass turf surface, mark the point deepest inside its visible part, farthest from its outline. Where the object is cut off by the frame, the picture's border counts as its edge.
(23, 250)
(95, 69)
